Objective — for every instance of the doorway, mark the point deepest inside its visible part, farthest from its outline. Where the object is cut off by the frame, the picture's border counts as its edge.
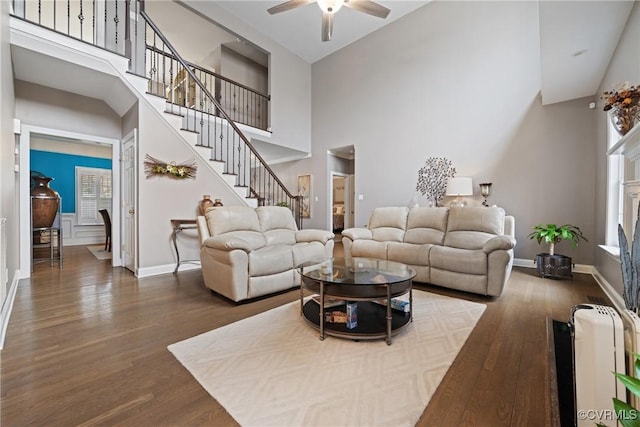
(28, 132)
(341, 201)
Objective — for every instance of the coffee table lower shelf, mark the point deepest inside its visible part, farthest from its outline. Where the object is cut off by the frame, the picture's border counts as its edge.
(372, 321)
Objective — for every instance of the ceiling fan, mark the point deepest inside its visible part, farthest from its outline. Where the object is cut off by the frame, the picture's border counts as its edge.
(330, 7)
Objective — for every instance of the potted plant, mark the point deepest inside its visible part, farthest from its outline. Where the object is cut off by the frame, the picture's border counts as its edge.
(552, 264)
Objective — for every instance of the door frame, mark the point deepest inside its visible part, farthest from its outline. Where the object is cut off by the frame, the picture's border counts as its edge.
(24, 193)
(131, 136)
(348, 201)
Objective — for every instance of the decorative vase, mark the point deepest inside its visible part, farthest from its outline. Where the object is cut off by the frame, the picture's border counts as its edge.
(624, 119)
(218, 202)
(205, 204)
(45, 202)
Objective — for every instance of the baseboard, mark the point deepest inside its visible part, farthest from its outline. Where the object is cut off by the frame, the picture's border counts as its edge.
(7, 307)
(610, 292)
(577, 268)
(164, 269)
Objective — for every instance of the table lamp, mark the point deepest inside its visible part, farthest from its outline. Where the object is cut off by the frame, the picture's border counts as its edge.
(459, 186)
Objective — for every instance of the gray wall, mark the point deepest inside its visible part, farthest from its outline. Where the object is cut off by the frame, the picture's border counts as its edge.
(56, 109)
(8, 178)
(243, 70)
(624, 66)
(465, 85)
(289, 80)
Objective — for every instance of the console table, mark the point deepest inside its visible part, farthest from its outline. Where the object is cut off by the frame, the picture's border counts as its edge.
(179, 225)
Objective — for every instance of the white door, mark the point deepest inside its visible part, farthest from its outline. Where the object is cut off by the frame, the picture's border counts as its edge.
(129, 197)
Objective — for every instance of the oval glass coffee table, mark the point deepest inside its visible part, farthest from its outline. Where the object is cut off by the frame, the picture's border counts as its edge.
(360, 283)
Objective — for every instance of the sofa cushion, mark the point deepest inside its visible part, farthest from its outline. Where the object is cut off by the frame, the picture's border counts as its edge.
(308, 251)
(277, 224)
(458, 260)
(408, 253)
(426, 225)
(232, 218)
(485, 219)
(388, 224)
(472, 227)
(253, 239)
(369, 249)
(270, 260)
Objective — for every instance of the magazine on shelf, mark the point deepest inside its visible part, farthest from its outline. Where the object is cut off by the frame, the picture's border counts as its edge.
(396, 304)
(328, 301)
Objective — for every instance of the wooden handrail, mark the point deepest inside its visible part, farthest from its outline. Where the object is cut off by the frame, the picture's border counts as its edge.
(223, 113)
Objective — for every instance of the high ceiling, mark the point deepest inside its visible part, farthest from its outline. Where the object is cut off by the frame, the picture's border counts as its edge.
(577, 38)
(299, 30)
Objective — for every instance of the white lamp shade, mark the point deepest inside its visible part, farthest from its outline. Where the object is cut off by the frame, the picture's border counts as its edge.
(460, 186)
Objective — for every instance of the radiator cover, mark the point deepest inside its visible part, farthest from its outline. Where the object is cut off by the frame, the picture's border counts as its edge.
(598, 339)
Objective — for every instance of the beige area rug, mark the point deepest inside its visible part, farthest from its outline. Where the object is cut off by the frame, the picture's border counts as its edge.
(272, 370)
(99, 252)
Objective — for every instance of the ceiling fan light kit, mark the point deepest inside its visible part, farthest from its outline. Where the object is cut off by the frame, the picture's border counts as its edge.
(330, 7)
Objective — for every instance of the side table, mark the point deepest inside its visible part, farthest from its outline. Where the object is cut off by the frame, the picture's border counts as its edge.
(179, 225)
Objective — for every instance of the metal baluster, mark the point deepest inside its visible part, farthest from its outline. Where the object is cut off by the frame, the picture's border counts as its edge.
(116, 20)
(93, 21)
(81, 18)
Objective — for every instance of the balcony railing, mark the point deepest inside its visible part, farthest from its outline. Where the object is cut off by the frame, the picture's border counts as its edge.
(209, 103)
(103, 24)
(243, 104)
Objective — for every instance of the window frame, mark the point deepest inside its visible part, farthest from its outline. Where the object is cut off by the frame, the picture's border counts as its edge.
(101, 201)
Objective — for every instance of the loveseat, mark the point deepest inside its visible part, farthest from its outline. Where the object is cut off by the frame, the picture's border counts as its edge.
(249, 252)
(464, 248)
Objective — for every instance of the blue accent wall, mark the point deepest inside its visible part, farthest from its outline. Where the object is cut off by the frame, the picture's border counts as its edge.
(62, 168)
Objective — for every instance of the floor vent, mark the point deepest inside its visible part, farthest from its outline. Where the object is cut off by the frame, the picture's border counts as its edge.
(597, 300)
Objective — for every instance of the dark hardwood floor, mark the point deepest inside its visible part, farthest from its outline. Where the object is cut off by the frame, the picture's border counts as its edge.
(87, 345)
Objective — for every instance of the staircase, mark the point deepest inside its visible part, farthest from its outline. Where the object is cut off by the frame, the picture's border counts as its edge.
(203, 108)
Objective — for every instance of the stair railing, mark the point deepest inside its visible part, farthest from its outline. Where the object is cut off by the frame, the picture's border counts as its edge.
(244, 104)
(192, 99)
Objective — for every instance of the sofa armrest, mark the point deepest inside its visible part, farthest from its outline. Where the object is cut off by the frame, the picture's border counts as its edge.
(227, 243)
(499, 243)
(203, 229)
(314, 235)
(357, 233)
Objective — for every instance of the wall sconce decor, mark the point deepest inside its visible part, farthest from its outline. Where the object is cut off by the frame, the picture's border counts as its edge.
(485, 190)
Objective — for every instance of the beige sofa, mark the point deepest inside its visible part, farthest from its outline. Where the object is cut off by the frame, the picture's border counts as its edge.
(468, 249)
(247, 252)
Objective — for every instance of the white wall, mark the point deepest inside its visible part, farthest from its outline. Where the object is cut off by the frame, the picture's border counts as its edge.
(459, 80)
(624, 66)
(290, 81)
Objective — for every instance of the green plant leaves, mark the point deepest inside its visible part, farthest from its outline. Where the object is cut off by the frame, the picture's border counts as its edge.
(551, 233)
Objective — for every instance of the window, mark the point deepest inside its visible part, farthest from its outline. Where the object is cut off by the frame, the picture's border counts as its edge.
(93, 192)
(615, 188)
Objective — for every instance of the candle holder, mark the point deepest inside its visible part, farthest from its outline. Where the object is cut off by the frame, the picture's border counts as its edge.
(485, 190)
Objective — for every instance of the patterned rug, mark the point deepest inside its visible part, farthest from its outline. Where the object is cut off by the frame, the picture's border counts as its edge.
(272, 370)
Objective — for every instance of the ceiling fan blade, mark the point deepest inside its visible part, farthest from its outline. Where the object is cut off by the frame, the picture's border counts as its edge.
(288, 5)
(327, 26)
(369, 7)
